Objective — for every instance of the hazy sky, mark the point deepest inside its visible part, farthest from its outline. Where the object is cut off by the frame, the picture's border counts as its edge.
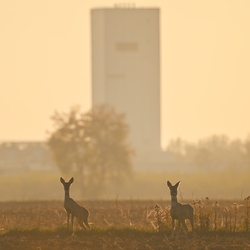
(205, 64)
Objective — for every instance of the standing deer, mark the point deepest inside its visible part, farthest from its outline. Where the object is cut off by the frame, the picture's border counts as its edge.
(73, 208)
(179, 211)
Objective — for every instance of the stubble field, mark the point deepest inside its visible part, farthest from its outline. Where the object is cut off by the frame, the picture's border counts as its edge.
(119, 224)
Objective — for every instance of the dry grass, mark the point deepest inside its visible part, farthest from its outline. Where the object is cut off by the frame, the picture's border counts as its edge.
(51, 214)
(119, 224)
(224, 215)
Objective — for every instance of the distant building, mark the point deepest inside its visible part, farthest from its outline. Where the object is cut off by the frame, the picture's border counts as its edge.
(126, 74)
(19, 157)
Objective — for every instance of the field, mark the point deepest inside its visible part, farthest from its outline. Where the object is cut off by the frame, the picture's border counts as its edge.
(123, 224)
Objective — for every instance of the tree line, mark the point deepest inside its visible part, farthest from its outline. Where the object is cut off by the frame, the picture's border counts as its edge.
(215, 152)
(93, 147)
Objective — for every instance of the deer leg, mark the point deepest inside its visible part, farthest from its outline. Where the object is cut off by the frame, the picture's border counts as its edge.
(184, 225)
(192, 224)
(85, 221)
(80, 221)
(68, 214)
(72, 220)
(178, 228)
(173, 222)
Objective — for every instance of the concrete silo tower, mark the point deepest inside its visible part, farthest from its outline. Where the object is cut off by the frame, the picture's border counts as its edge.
(126, 70)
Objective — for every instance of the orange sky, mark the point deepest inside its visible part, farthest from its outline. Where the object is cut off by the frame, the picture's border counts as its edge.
(205, 61)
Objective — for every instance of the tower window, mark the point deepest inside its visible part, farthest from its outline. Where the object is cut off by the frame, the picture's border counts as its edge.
(126, 46)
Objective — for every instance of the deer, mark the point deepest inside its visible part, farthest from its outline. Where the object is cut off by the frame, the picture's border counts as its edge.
(178, 211)
(74, 208)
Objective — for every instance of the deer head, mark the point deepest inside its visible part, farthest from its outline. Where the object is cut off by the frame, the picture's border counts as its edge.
(173, 189)
(66, 184)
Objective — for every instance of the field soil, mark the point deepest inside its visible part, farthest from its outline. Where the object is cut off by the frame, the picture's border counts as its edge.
(113, 240)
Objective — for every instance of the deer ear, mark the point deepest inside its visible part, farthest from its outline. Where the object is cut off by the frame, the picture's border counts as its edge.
(71, 180)
(177, 184)
(169, 184)
(62, 180)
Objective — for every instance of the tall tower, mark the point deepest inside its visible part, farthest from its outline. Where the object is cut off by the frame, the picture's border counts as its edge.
(126, 70)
